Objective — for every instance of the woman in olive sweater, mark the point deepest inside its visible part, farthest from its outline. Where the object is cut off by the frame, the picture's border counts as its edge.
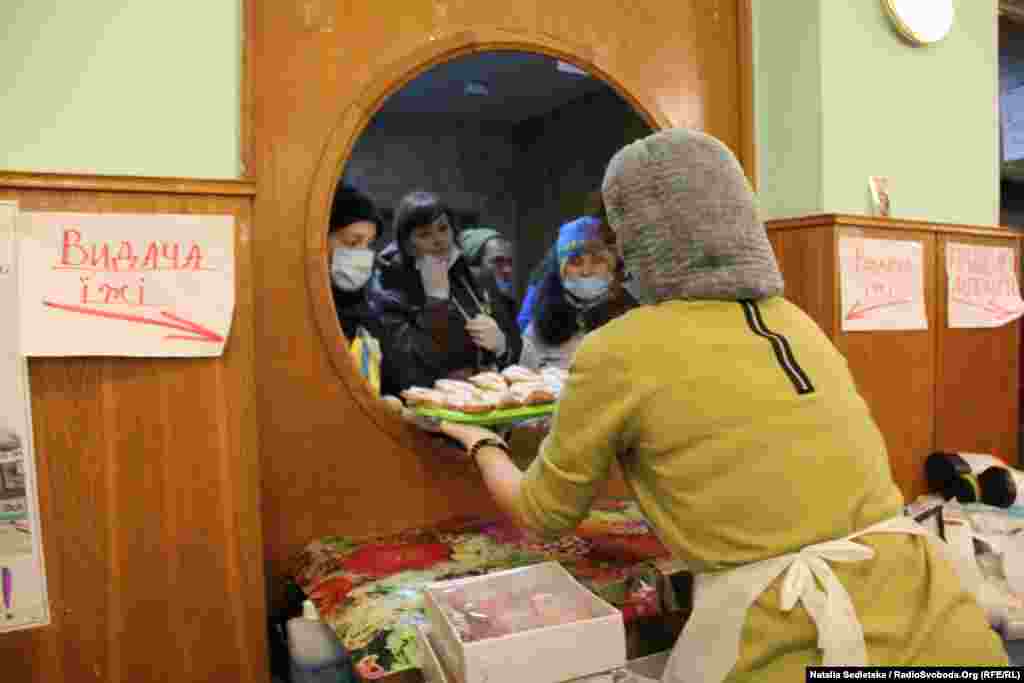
(740, 431)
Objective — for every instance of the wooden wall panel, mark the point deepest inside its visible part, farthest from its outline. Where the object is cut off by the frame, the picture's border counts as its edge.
(333, 460)
(806, 259)
(976, 389)
(149, 483)
(927, 390)
(895, 371)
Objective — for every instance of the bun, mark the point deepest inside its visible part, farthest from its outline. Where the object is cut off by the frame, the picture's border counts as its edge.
(425, 398)
(455, 386)
(474, 404)
(502, 399)
(489, 381)
(517, 373)
(533, 393)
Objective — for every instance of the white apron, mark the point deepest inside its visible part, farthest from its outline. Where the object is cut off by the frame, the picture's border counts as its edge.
(709, 646)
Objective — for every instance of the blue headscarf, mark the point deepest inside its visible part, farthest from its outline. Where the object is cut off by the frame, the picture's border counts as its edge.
(573, 237)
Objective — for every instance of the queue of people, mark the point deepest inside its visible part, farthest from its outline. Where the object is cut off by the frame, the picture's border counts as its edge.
(442, 302)
(713, 390)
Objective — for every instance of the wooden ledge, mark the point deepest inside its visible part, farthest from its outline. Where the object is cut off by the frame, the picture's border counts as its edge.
(853, 221)
(141, 184)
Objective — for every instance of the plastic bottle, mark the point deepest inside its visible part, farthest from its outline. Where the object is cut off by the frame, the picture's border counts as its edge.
(317, 655)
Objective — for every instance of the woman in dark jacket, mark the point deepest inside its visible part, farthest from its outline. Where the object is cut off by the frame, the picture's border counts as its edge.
(436, 319)
(579, 292)
(353, 227)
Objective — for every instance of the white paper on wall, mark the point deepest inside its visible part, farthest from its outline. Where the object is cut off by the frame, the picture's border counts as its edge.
(22, 576)
(982, 288)
(126, 284)
(881, 284)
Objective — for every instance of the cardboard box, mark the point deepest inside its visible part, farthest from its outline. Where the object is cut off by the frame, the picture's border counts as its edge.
(430, 665)
(434, 672)
(546, 654)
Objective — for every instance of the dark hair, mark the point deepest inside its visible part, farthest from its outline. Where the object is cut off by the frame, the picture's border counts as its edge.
(352, 206)
(555, 320)
(416, 209)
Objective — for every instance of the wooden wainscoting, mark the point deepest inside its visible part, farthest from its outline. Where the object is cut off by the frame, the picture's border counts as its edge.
(148, 482)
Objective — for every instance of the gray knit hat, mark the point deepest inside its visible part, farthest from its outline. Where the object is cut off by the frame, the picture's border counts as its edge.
(686, 218)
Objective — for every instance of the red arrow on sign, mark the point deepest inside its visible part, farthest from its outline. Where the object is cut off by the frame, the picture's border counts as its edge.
(991, 307)
(859, 310)
(196, 332)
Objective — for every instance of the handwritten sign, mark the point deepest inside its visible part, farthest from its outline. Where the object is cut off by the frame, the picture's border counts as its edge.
(126, 284)
(881, 284)
(982, 285)
(23, 600)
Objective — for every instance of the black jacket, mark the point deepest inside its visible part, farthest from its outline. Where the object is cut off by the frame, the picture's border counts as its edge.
(353, 312)
(423, 341)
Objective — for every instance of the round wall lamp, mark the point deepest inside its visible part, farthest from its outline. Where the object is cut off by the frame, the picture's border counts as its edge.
(922, 22)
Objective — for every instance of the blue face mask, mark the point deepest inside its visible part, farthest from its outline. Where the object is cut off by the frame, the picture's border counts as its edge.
(587, 289)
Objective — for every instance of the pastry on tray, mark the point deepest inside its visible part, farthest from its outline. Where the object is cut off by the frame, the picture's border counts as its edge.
(533, 393)
(455, 386)
(473, 404)
(489, 381)
(516, 374)
(503, 399)
(419, 397)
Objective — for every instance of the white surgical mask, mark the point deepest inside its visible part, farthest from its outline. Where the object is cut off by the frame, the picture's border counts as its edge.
(587, 289)
(351, 268)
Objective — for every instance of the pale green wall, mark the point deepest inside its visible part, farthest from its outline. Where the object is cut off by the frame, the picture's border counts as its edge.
(787, 102)
(925, 117)
(139, 87)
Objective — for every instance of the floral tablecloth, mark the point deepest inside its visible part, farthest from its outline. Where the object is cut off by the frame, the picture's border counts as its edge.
(371, 592)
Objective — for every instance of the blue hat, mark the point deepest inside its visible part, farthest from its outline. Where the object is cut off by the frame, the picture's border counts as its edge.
(573, 238)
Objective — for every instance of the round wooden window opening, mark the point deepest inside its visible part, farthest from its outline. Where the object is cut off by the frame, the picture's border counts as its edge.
(354, 120)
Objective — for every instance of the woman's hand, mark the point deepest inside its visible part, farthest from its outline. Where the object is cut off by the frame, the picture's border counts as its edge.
(467, 435)
(427, 424)
(434, 275)
(486, 334)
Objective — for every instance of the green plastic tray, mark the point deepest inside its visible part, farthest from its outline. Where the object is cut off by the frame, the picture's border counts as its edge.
(495, 417)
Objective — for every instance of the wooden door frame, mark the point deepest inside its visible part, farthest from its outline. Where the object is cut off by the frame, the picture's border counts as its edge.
(353, 121)
(392, 77)
(747, 151)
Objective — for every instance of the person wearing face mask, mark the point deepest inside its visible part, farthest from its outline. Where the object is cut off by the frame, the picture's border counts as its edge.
(488, 252)
(437, 319)
(574, 296)
(353, 227)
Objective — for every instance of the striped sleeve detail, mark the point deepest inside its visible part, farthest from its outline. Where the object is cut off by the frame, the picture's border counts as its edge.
(781, 347)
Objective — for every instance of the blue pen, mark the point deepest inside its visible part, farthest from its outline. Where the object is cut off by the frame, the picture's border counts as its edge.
(8, 589)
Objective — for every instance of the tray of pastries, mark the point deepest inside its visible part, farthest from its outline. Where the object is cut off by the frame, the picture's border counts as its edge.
(490, 398)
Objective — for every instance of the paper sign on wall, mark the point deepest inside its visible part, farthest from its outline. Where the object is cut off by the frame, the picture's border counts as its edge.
(126, 284)
(22, 578)
(881, 284)
(982, 285)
